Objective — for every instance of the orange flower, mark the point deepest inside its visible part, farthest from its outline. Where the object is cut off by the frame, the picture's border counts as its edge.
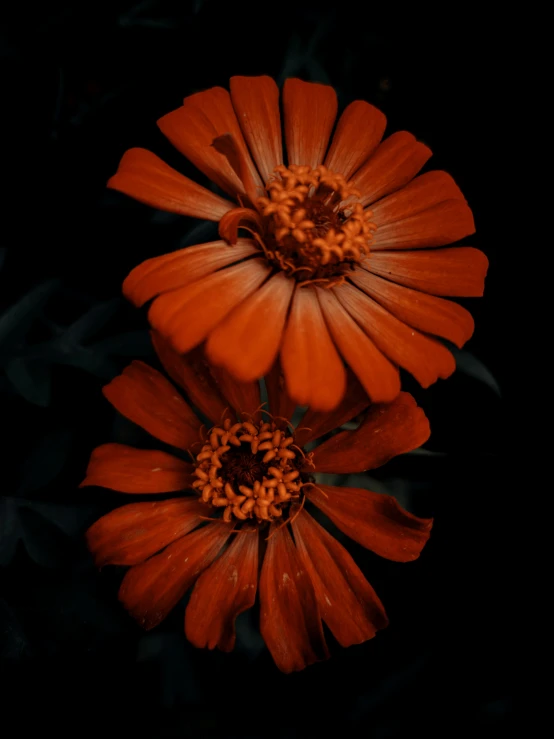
(348, 216)
(247, 488)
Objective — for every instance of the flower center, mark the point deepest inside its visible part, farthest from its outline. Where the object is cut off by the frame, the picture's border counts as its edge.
(251, 471)
(313, 226)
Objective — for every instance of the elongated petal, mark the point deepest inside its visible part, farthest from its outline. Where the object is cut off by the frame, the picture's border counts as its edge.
(347, 602)
(459, 271)
(132, 533)
(316, 423)
(192, 128)
(222, 592)
(313, 369)
(181, 268)
(425, 312)
(256, 103)
(145, 177)
(359, 131)
(289, 616)
(279, 401)
(187, 315)
(439, 225)
(425, 358)
(191, 372)
(150, 590)
(244, 397)
(378, 376)
(144, 396)
(375, 521)
(395, 162)
(423, 192)
(129, 470)
(310, 111)
(386, 431)
(248, 340)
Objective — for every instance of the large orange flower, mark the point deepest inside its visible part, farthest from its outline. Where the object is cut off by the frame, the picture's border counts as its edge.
(341, 265)
(246, 490)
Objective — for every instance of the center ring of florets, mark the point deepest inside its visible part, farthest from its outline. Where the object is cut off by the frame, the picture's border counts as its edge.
(315, 228)
(251, 471)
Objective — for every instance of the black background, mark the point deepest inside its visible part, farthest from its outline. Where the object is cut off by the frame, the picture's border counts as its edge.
(82, 83)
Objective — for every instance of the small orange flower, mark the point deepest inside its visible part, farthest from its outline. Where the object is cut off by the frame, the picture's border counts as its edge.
(245, 492)
(347, 216)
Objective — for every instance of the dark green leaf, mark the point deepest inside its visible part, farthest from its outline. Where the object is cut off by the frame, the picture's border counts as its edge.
(31, 378)
(17, 320)
(46, 461)
(92, 321)
(470, 365)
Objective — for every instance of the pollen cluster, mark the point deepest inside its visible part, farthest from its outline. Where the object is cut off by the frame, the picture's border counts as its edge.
(251, 471)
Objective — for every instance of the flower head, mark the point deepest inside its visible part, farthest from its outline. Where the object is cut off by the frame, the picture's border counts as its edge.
(240, 525)
(340, 266)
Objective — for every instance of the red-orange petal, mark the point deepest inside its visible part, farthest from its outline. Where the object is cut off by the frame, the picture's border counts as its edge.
(244, 397)
(423, 192)
(256, 103)
(374, 520)
(458, 272)
(248, 340)
(222, 592)
(150, 590)
(279, 401)
(386, 431)
(182, 267)
(347, 602)
(192, 128)
(145, 177)
(378, 376)
(359, 131)
(144, 396)
(129, 470)
(191, 372)
(310, 110)
(187, 315)
(314, 372)
(239, 218)
(316, 423)
(439, 225)
(395, 162)
(134, 532)
(424, 357)
(424, 312)
(289, 616)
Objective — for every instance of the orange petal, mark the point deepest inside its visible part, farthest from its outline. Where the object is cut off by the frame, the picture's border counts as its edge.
(359, 131)
(144, 396)
(182, 267)
(192, 128)
(316, 423)
(247, 341)
(313, 369)
(150, 590)
(289, 616)
(441, 224)
(396, 161)
(225, 590)
(134, 532)
(244, 397)
(459, 271)
(145, 177)
(245, 218)
(310, 110)
(378, 376)
(425, 191)
(191, 372)
(425, 312)
(187, 315)
(241, 164)
(347, 602)
(129, 470)
(374, 520)
(425, 358)
(279, 401)
(386, 431)
(256, 103)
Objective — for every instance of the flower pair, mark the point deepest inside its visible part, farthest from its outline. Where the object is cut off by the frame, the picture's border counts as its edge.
(336, 285)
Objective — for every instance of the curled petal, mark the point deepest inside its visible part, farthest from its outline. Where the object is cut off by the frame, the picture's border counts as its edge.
(129, 470)
(239, 218)
(386, 431)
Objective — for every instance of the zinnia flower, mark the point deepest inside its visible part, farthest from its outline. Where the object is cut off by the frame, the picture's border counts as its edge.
(341, 265)
(242, 499)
